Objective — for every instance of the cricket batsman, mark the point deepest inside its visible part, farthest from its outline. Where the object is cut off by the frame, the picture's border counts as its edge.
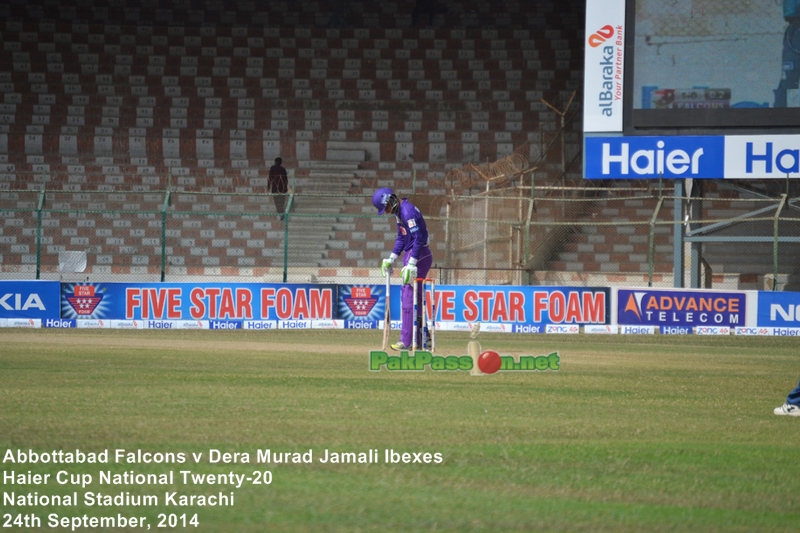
(412, 242)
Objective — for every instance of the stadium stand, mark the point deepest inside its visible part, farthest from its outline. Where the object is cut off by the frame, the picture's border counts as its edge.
(108, 96)
(111, 97)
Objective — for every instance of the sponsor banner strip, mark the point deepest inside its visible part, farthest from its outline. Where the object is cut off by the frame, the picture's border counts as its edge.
(691, 156)
(498, 307)
(464, 327)
(23, 322)
(327, 324)
(260, 324)
(681, 307)
(604, 66)
(567, 329)
(712, 330)
(637, 330)
(29, 299)
(675, 330)
(601, 330)
(785, 332)
(756, 331)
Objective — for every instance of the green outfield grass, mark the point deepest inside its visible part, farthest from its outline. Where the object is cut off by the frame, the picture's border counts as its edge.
(633, 433)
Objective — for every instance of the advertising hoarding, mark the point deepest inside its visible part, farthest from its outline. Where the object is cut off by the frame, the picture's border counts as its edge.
(604, 66)
(29, 299)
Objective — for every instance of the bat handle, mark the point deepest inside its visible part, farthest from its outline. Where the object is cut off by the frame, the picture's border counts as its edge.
(387, 315)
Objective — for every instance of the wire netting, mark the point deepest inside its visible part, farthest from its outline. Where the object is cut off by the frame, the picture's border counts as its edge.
(597, 234)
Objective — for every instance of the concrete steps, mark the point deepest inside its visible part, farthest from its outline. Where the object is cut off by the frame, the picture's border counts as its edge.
(313, 220)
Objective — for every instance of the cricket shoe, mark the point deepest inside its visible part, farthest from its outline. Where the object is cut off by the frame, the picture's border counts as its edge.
(400, 347)
(788, 409)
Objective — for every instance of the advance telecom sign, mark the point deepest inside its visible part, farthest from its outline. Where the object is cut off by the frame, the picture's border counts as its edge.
(698, 157)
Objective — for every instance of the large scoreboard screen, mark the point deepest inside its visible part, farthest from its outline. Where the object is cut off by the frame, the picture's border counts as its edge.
(715, 83)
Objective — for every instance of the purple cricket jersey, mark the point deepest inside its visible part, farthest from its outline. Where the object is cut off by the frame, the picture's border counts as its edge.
(412, 233)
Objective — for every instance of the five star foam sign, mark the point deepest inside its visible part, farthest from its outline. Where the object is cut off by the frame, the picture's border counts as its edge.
(361, 301)
(83, 300)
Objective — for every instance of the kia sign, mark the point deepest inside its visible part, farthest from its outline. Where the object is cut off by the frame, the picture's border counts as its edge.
(29, 299)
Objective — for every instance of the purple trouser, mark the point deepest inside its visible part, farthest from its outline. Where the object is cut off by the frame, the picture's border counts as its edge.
(407, 295)
(793, 398)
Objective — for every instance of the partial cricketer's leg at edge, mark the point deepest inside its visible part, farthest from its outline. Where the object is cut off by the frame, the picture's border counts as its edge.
(792, 405)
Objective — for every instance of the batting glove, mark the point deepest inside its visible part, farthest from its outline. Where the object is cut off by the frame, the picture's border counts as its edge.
(386, 265)
(409, 272)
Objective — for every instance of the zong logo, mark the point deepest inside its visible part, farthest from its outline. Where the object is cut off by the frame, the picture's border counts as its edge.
(601, 35)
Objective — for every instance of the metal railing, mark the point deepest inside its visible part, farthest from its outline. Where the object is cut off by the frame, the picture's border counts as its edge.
(591, 235)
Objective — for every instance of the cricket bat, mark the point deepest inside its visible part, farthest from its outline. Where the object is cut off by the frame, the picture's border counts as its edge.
(387, 319)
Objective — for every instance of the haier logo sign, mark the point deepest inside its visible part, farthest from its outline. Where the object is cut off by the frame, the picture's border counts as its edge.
(676, 330)
(59, 323)
(654, 157)
(527, 328)
(786, 332)
(728, 157)
(762, 156)
(294, 324)
(637, 330)
(361, 324)
(224, 324)
(260, 324)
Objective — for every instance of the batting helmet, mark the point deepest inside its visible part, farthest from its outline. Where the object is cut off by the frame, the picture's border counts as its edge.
(384, 198)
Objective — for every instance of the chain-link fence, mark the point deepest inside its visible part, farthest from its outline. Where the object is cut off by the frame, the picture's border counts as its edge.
(184, 236)
(627, 233)
(598, 234)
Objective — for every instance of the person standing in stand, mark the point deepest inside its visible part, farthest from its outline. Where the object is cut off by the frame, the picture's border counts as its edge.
(412, 242)
(278, 184)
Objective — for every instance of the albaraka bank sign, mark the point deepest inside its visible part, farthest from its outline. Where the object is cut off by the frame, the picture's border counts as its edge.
(605, 61)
